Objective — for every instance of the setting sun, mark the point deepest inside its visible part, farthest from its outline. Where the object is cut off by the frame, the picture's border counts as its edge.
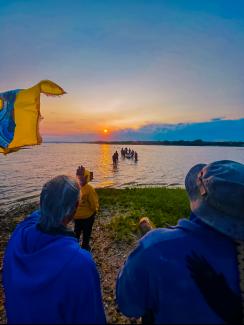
(105, 131)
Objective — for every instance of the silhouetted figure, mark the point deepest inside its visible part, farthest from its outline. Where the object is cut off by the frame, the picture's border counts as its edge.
(114, 159)
(136, 156)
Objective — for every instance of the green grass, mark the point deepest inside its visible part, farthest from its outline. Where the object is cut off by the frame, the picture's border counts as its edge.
(126, 206)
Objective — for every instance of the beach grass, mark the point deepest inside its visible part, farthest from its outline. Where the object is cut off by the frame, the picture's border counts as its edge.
(126, 206)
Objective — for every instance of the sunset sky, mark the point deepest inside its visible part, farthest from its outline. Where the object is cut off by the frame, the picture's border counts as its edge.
(142, 69)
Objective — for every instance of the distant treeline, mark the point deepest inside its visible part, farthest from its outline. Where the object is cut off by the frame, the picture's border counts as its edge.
(197, 142)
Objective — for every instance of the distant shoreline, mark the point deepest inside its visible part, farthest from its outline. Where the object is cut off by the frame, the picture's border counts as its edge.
(162, 143)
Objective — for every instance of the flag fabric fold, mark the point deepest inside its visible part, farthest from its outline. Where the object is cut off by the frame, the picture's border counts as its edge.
(20, 115)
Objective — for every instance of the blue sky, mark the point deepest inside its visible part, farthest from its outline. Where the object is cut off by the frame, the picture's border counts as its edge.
(128, 64)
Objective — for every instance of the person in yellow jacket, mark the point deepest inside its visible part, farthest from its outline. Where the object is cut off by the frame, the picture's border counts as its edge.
(87, 209)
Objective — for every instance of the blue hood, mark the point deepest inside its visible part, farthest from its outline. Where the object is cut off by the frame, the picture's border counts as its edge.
(31, 248)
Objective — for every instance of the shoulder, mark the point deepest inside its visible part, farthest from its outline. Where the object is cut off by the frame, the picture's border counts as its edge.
(161, 235)
(82, 260)
(33, 217)
(154, 244)
(82, 266)
(29, 221)
(91, 189)
(87, 187)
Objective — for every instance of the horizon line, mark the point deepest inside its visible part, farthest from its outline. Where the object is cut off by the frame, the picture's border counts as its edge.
(148, 142)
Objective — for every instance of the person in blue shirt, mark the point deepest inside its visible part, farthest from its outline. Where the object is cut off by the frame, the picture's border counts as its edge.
(193, 272)
(47, 277)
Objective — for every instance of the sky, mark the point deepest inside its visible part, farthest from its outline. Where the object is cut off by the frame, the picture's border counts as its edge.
(142, 69)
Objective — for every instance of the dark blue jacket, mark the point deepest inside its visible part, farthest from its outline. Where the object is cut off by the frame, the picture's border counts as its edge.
(187, 274)
(48, 278)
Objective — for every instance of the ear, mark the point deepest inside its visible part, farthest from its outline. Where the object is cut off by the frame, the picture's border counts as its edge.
(49, 88)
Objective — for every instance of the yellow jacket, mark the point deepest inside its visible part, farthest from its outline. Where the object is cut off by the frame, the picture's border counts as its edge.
(88, 202)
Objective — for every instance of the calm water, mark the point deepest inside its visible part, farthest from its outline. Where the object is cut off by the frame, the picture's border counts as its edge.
(23, 173)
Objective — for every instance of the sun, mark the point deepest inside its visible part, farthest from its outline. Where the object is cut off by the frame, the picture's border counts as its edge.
(105, 131)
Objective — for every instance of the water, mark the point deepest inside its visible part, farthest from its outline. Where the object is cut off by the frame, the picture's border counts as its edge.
(23, 173)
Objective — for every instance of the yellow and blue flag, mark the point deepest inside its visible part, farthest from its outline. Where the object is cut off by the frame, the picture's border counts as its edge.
(20, 115)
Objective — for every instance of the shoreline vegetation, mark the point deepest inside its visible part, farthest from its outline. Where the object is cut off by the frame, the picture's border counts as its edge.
(197, 142)
(115, 232)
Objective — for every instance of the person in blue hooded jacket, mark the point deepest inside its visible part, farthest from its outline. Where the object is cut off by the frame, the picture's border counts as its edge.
(47, 277)
(193, 272)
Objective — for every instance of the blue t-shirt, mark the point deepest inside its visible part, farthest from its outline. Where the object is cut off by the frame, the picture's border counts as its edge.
(186, 274)
(49, 279)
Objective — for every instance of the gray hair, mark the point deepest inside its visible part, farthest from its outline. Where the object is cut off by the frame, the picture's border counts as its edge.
(58, 200)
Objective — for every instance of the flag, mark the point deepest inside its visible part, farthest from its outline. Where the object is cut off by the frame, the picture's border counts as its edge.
(20, 115)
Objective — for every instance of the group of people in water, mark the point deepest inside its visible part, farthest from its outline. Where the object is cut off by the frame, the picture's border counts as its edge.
(125, 153)
(190, 273)
(129, 153)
